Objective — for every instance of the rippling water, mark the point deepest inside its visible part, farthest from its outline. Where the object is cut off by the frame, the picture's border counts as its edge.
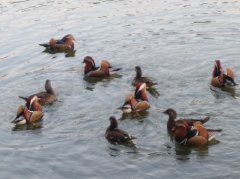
(175, 42)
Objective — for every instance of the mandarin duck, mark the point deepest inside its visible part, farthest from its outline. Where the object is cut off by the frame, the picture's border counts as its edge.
(196, 135)
(66, 43)
(137, 102)
(140, 79)
(31, 112)
(45, 97)
(219, 78)
(115, 135)
(90, 69)
(172, 119)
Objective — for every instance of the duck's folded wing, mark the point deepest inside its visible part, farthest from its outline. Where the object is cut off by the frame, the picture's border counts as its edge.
(141, 106)
(97, 73)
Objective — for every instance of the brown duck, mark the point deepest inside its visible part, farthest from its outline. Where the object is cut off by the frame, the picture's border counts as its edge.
(219, 78)
(196, 135)
(137, 102)
(140, 79)
(66, 43)
(45, 97)
(172, 119)
(90, 69)
(115, 135)
(31, 112)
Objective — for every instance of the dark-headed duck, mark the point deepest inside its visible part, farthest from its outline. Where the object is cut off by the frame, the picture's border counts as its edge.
(45, 97)
(66, 43)
(219, 78)
(140, 79)
(31, 112)
(196, 135)
(172, 119)
(137, 102)
(115, 135)
(90, 69)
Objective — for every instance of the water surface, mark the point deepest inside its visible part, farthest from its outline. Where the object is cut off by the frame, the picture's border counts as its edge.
(175, 42)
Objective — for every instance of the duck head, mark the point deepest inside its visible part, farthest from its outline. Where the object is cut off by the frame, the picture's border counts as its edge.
(69, 41)
(68, 37)
(217, 68)
(89, 64)
(138, 72)
(113, 123)
(48, 87)
(141, 92)
(171, 120)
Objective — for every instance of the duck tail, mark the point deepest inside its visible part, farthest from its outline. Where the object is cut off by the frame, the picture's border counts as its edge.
(205, 119)
(214, 130)
(132, 137)
(45, 45)
(24, 98)
(116, 69)
(16, 120)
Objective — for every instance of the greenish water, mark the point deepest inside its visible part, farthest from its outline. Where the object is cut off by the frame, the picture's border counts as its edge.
(175, 42)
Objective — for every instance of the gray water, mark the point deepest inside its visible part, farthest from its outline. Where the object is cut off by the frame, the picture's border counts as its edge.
(175, 42)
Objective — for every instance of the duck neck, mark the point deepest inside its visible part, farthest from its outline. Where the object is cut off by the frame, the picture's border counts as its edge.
(171, 122)
(48, 88)
(138, 73)
(113, 125)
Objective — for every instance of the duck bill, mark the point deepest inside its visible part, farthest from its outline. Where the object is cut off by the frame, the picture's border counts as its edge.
(143, 86)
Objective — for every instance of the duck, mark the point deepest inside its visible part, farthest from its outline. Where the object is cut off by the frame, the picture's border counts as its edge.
(66, 43)
(137, 102)
(45, 97)
(115, 135)
(90, 69)
(140, 79)
(172, 119)
(32, 112)
(196, 135)
(219, 78)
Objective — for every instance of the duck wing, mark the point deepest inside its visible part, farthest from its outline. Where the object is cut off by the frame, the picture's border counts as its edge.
(190, 122)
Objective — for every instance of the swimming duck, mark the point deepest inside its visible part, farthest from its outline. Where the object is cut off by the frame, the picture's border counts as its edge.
(66, 43)
(31, 112)
(137, 102)
(116, 135)
(140, 79)
(196, 135)
(219, 79)
(172, 119)
(45, 97)
(90, 69)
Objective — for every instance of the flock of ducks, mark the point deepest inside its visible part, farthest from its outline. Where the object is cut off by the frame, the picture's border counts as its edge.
(185, 131)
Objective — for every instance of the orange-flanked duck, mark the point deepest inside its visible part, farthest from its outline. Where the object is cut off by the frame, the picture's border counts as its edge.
(219, 78)
(91, 70)
(115, 135)
(64, 44)
(31, 112)
(141, 79)
(137, 102)
(172, 114)
(45, 97)
(196, 135)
